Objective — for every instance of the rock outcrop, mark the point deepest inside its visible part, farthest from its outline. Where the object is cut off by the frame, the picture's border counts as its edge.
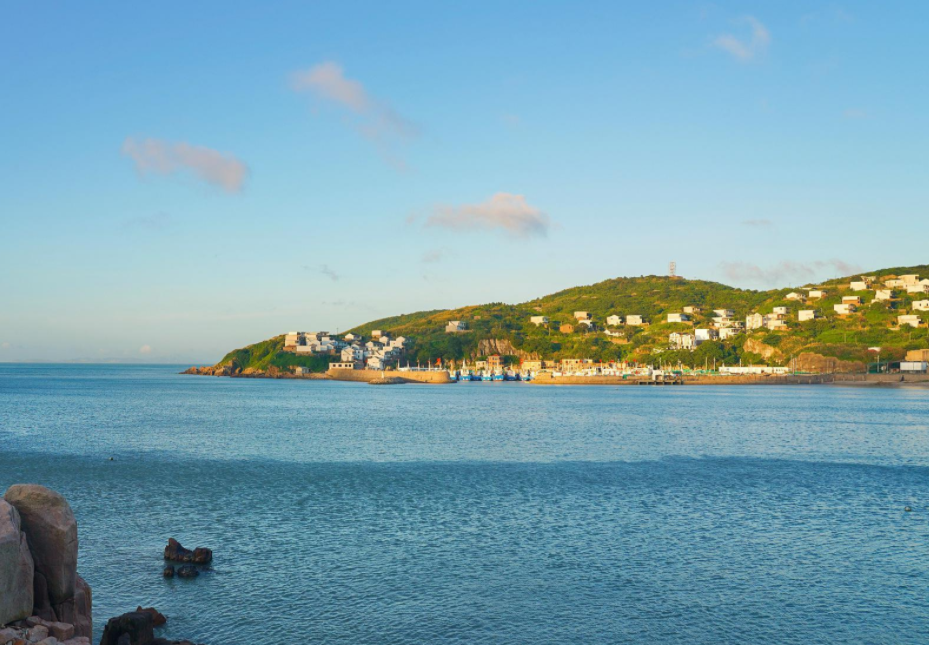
(177, 553)
(810, 362)
(489, 346)
(16, 567)
(767, 352)
(134, 628)
(49, 530)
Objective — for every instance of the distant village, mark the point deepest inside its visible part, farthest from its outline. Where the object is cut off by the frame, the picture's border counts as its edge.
(381, 351)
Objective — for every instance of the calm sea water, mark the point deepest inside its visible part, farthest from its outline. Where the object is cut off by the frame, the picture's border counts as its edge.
(486, 512)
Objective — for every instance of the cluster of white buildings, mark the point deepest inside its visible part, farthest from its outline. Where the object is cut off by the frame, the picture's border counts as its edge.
(353, 351)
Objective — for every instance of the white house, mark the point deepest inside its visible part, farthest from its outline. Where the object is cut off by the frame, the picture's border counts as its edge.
(851, 300)
(793, 295)
(634, 319)
(775, 324)
(921, 305)
(844, 309)
(702, 335)
(910, 278)
(781, 311)
(586, 321)
(582, 315)
(736, 370)
(806, 314)
(614, 320)
(882, 295)
(681, 341)
(538, 320)
(909, 319)
(677, 318)
(815, 294)
(754, 321)
(376, 333)
(353, 353)
(917, 287)
(858, 285)
(350, 337)
(690, 309)
(724, 313)
(728, 332)
(455, 326)
(894, 283)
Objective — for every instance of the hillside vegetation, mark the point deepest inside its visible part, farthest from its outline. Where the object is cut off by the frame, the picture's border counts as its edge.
(843, 337)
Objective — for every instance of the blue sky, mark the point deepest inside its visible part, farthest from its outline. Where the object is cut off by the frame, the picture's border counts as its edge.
(179, 179)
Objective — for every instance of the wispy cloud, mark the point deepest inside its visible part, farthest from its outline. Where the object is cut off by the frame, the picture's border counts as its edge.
(154, 222)
(436, 255)
(154, 156)
(745, 49)
(325, 270)
(505, 212)
(787, 272)
(373, 119)
(758, 223)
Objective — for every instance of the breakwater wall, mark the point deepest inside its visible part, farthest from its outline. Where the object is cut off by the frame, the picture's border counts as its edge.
(788, 379)
(367, 376)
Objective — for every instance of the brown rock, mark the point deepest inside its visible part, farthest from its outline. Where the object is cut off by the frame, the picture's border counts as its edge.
(16, 567)
(37, 633)
(158, 618)
(61, 631)
(51, 532)
(177, 553)
(135, 628)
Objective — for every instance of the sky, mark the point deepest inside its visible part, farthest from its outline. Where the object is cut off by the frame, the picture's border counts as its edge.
(179, 179)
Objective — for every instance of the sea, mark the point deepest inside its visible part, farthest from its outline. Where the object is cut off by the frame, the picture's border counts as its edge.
(496, 513)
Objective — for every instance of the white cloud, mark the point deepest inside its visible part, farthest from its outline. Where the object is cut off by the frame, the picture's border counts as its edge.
(373, 119)
(745, 49)
(167, 158)
(787, 272)
(505, 212)
(145, 349)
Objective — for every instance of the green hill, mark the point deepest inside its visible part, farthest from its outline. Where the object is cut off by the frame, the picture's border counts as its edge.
(504, 328)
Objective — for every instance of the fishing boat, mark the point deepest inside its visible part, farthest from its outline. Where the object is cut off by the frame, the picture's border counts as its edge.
(511, 375)
(486, 376)
(498, 375)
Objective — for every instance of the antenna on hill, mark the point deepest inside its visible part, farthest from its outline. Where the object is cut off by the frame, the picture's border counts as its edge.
(672, 270)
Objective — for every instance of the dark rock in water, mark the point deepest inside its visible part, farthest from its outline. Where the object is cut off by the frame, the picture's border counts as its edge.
(907, 509)
(187, 571)
(177, 553)
(134, 628)
(158, 618)
(168, 571)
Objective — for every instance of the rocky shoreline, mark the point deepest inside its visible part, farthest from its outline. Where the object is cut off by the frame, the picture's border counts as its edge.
(43, 600)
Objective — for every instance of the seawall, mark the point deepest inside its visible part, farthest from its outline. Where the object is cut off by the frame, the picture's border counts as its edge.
(366, 376)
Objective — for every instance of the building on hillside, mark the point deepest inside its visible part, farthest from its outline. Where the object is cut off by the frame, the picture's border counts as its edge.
(728, 332)
(614, 320)
(851, 300)
(494, 361)
(566, 329)
(454, 326)
(703, 335)
(909, 319)
(815, 294)
(858, 285)
(692, 310)
(921, 305)
(894, 283)
(587, 322)
(581, 315)
(868, 279)
(781, 311)
(376, 362)
(918, 355)
(807, 314)
(754, 321)
(376, 333)
(538, 320)
(344, 365)
(350, 337)
(352, 353)
(883, 295)
(681, 341)
(917, 287)
(724, 313)
(635, 320)
(678, 318)
(844, 309)
(909, 278)
(775, 324)
(793, 295)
